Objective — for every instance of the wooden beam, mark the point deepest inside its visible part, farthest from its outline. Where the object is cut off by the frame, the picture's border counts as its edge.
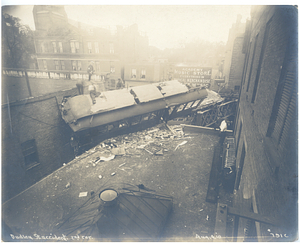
(252, 216)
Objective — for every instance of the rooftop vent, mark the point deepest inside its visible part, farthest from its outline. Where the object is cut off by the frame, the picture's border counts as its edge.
(120, 212)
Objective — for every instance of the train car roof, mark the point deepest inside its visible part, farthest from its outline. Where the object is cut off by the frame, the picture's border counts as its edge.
(169, 88)
(115, 99)
(147, 92)
(82, 105)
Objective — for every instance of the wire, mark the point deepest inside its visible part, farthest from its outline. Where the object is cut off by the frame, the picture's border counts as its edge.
(40, 120)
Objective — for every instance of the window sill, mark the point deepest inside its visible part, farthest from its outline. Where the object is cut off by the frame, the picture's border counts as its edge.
(32, 166)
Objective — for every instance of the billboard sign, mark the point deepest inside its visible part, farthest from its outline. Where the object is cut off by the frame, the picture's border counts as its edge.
(193, 75)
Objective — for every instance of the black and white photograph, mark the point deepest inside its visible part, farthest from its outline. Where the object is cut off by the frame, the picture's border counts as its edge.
(149, 122)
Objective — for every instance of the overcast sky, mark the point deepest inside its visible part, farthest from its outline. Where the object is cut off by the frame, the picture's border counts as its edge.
(166, 25)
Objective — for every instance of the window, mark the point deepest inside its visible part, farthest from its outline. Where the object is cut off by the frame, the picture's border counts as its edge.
(111, 48)
(90, 47)
(97, 66)
(133, 73)
(246, 64)
(29, 151)
(77, 46)
(143, 74)
(240, 168)
(284, 111)
(79, 65)
(76, 65)
(43, 49)
(60, 46)
(73, 50)
(239, 136)
(74, 46)
(253, 56)
(236, 88)
(62, 63)
(57, 65)
(96, 47)
(54, 47)
(45, 64)
(112, 69)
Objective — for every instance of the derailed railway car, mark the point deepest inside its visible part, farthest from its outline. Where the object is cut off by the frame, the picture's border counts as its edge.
(121, 109)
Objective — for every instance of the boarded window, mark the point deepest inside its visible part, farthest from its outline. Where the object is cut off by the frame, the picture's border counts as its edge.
(29, 151)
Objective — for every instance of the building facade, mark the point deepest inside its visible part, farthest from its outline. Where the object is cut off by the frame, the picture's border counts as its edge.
(234, 57)
(266, 125)
(67, 46)
(145, 73)
(36, 141)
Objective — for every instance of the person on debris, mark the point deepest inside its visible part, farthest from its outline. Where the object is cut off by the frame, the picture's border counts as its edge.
(90, 70)
(93, 92)
(75, 145)
(120, 84)
(223, 126)
(80, 85)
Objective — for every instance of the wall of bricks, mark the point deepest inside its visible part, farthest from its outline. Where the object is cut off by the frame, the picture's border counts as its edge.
(233, 55)
(268, 175)
(237, 63)
(38, 119)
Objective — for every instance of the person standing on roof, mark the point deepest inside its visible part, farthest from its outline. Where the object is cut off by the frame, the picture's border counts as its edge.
(90, 70)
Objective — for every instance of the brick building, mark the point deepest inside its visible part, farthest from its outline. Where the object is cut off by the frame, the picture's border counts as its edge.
(35, 141)
(145, 73)
(234, 57)
(67, 46)
(266, 125)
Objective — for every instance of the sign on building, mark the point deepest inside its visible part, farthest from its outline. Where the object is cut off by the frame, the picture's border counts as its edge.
(193, 75)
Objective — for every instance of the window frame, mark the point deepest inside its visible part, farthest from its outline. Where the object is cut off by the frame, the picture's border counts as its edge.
(30, 155)
(133, 74)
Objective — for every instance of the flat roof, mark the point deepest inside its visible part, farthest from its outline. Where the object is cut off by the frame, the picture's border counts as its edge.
(181, 169)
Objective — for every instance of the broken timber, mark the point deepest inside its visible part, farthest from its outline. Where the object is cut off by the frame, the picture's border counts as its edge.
(206, 130)
(221, 218)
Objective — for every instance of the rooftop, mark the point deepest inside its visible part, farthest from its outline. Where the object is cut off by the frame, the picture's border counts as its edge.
(165, 161)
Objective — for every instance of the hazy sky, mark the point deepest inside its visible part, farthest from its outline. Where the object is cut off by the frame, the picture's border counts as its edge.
(165, 25)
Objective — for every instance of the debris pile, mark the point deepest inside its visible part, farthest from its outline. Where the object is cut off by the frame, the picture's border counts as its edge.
(155, 141)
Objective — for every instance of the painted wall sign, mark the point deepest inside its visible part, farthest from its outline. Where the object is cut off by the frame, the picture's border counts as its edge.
(196, 75)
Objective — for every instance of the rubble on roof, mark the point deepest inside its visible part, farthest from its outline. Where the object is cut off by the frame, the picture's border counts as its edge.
(154, 140)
